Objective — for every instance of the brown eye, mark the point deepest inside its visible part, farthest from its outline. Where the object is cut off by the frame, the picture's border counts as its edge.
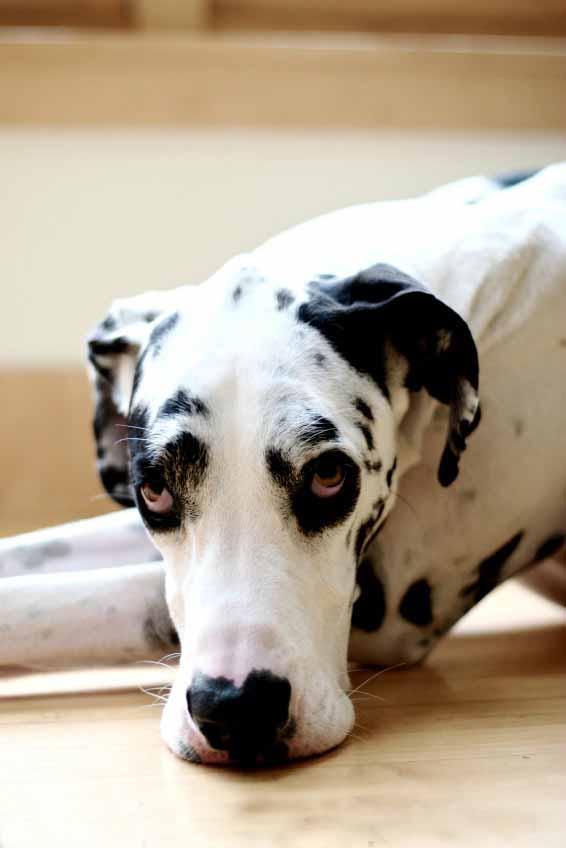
(328, 477)
(161, 502)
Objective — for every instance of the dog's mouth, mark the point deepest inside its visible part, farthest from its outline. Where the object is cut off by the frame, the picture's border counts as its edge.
(258, 736)
(241, 751)
(243, 746)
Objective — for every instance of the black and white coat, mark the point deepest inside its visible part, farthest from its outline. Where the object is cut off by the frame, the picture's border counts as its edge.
(291, 432)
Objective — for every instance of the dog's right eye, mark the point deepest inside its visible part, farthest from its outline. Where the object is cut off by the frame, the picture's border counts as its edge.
(327, 492)
(328, 475)
(158, 502)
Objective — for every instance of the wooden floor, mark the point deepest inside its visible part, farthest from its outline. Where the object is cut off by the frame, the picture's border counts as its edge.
(468, 750)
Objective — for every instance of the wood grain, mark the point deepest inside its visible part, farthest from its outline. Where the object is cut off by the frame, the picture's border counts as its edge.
(467, 750)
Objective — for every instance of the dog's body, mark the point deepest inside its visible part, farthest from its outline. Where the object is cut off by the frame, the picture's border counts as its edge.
(294, 339)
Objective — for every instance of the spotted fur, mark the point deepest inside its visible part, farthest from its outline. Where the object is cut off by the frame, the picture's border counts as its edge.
(345, 350)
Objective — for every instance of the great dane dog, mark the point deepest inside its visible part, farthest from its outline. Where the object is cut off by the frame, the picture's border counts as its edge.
(291, 434)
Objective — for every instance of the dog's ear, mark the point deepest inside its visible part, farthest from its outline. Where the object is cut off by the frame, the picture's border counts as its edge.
(115, 349)
(362, 314)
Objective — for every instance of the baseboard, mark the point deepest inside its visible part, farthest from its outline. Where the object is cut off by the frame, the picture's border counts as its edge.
(286, 81)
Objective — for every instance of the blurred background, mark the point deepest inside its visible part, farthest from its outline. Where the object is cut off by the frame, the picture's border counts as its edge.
(144, 142)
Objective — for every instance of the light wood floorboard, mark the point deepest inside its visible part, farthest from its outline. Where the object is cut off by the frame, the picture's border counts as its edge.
(467, 750)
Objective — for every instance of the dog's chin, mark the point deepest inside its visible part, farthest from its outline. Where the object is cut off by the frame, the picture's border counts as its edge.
(319, 728)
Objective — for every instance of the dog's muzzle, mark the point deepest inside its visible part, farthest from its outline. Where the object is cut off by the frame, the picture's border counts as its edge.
(250, 722)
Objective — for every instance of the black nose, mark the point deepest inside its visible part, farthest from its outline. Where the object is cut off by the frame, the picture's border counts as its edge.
(247, 721)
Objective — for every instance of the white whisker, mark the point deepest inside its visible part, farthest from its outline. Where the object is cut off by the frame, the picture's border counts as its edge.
(154, 662)
(374, 676)
(173, 656)
(365, 694)
(131, 439)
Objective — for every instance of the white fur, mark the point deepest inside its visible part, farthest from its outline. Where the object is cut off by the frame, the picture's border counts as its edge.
(244, 588)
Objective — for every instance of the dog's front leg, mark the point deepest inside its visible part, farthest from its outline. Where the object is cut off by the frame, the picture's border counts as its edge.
(118, 537)
(96, 616)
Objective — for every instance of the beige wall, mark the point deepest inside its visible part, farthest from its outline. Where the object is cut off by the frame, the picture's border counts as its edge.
(85, 217)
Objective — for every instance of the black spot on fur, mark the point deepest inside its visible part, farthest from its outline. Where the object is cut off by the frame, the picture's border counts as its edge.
(138, 418)
(161, 331)
(109, 324)
(280, 468)
(113, 438)
(350, 342)
(514, 178)
(35, 555)
(110, 346)
(369, 609)
(550, 546)
(369, 529)
(367, 434)
(105, 413)
(489, 571)
(456, 444)
(416, 604)
(103, 374)
(467, 428)
(237, 294)
(364, 408)
(116, 481)
(138, 371)
(319, 359)
(448, 469)
(319, 430)
(158, 334)
(373, 467)
(181, 403)
(188, 454)
(391, 472)
(326, 276)
(284, 299)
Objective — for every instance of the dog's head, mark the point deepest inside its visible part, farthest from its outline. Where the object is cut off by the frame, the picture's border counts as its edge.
(261, 431)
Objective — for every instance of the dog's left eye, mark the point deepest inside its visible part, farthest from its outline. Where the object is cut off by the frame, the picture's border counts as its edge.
(160, 502)
(328, 475)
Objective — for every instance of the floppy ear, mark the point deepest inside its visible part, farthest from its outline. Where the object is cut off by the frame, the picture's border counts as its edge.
(360, 314)
(115, 348)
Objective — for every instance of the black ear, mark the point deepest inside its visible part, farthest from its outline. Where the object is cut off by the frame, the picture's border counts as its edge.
(115, 348)
(360, 315)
